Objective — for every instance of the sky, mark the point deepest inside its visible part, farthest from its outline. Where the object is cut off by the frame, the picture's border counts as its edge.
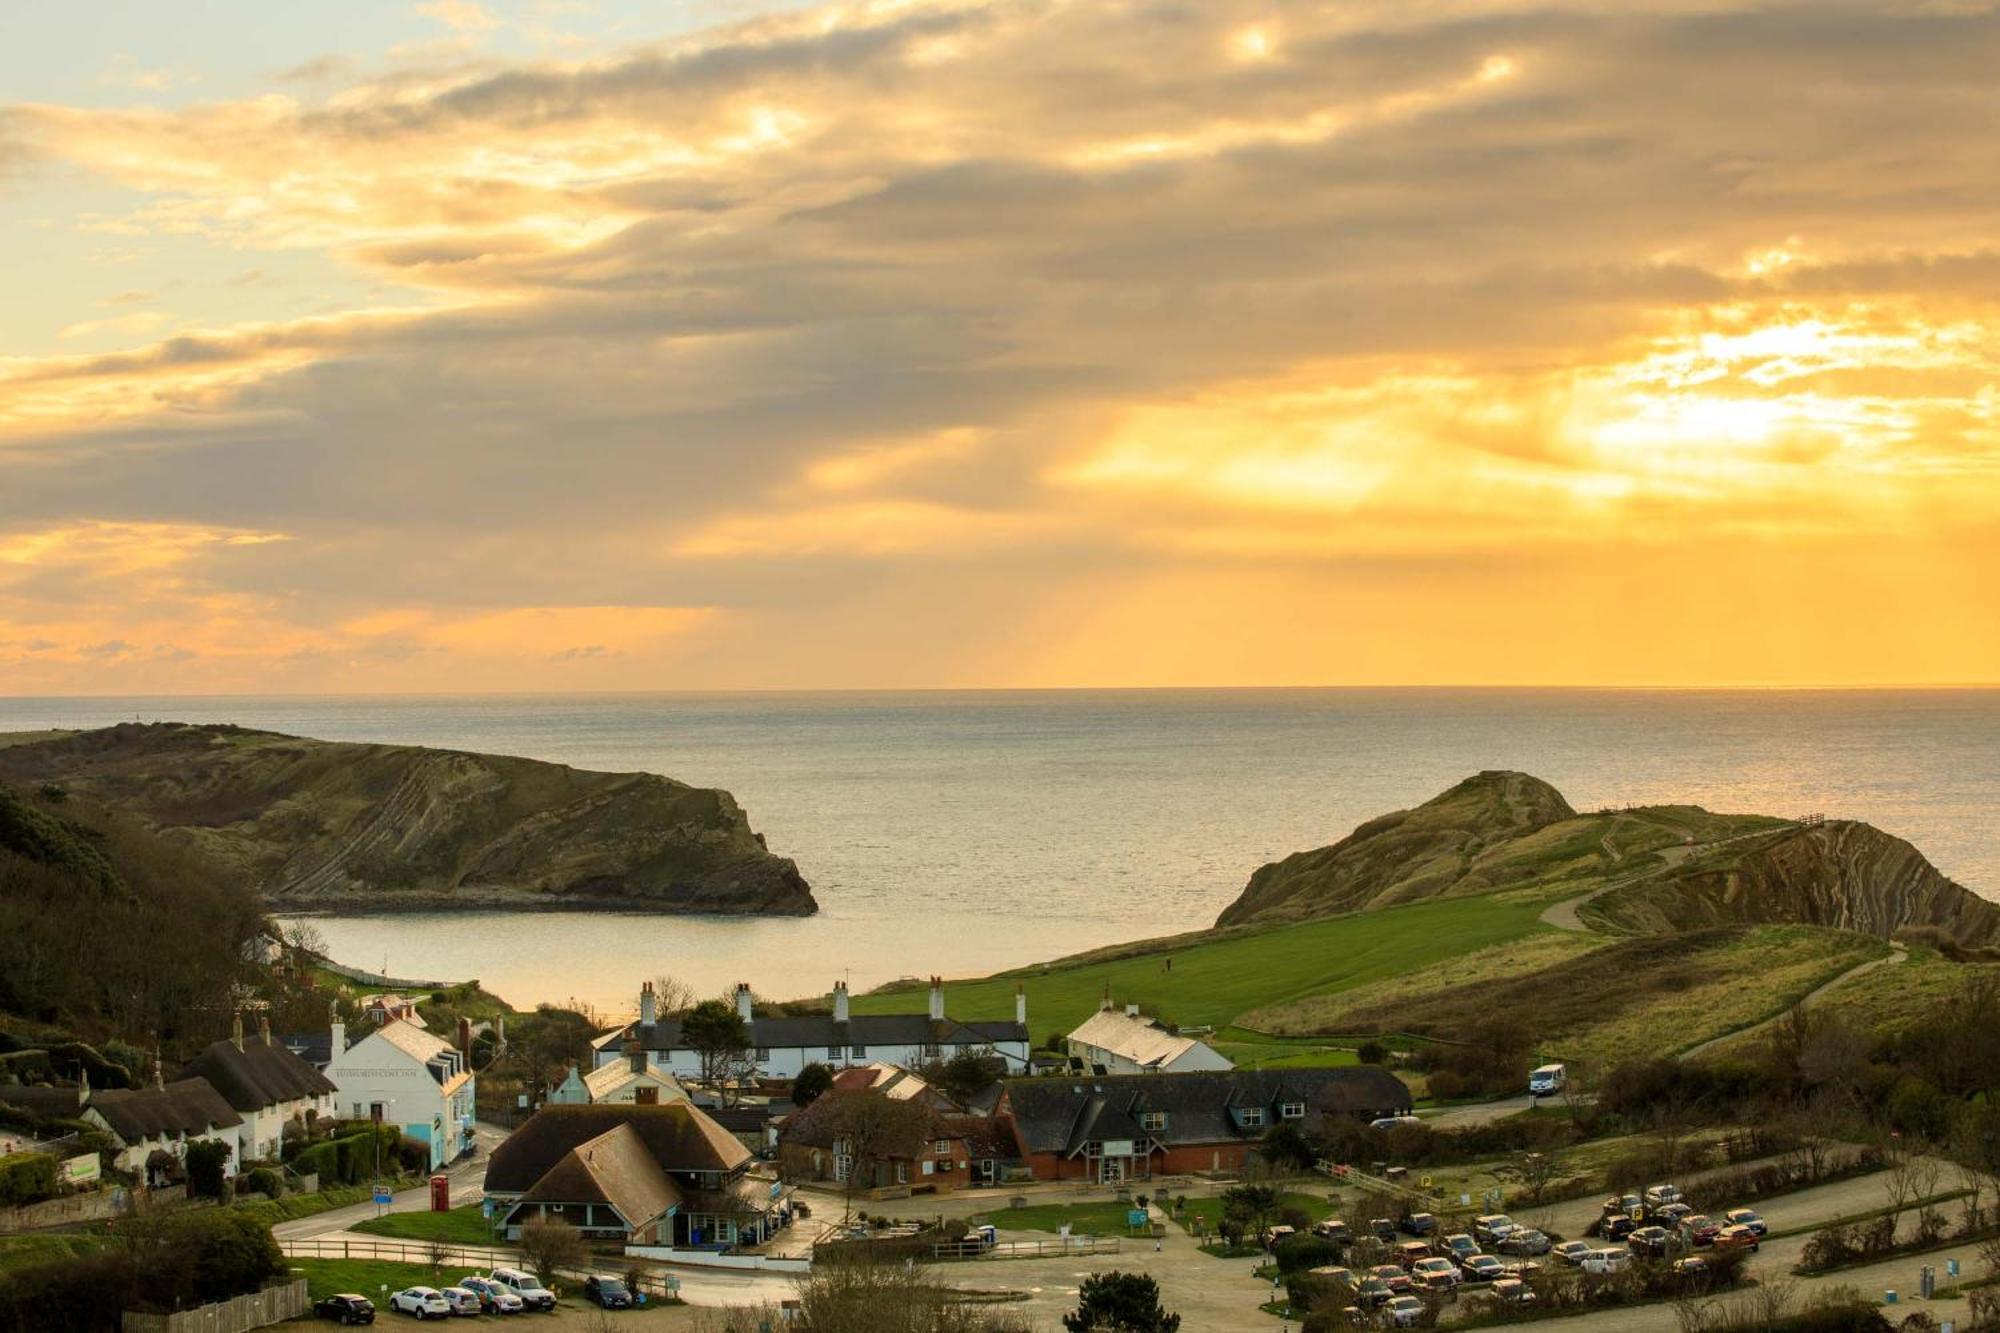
(572, 345)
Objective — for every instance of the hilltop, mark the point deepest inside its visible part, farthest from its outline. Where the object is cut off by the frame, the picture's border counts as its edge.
(339, 826)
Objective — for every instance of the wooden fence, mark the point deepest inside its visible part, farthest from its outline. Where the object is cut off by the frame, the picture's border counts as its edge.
(1060, 1246)
(401, 1252)
(273, 1305)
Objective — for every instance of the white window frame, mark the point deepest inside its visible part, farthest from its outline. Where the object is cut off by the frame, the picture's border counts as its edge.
(1291, 1110)
(942, 1147)
(1253, 1117)
(1153, 1121)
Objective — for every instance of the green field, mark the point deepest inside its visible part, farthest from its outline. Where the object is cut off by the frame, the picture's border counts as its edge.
(460, 1226)
(1259, 1050)
(1084, 1219)
(27, 1251)
(331, 1277)
(1214, 979)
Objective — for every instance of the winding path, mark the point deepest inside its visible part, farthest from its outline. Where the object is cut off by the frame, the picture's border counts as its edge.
(1897, 954)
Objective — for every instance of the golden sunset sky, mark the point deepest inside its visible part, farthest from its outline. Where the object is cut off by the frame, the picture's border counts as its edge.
(414, 345)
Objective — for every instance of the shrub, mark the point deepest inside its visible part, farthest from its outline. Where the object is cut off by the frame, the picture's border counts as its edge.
(26, 1177)
(266, 1182)
(205, 1161)
(1298, 1253)
(1372, 1053)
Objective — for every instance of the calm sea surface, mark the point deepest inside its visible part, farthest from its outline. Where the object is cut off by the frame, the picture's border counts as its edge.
(965, 832)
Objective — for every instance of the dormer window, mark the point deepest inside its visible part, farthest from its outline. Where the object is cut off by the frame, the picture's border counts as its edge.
(1292, 1110)
(1252, 1116)
(1153, 1121)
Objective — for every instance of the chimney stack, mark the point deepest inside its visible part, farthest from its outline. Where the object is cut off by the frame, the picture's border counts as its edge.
(649, 1006)
(744, 1008)
(264, 1026)
(1020, 1004)
(937, 999)
(465, 1038)
(338, 1028)
(840, 1002)
(236, 1031)
(635, 1055)
(159, 1073)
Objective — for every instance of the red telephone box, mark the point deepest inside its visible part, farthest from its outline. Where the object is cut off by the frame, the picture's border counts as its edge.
(440, 1194)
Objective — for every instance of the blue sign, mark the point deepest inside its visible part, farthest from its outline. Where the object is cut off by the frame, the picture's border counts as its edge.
(382, 1195)
(1136, 1217)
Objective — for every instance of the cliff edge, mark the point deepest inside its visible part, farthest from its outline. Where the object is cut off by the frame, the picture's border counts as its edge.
(340, 826)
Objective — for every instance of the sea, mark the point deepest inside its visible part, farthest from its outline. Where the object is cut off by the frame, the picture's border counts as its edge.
(961, 832)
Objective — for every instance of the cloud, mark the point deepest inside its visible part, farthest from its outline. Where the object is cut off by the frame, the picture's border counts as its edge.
(459, 15)
(785, 324)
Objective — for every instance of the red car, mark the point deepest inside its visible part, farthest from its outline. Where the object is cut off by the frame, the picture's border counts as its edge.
(1736, 1238)
(1701, 1229)
(1395, 1278)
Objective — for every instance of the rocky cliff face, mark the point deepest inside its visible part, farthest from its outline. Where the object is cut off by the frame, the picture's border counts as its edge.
(1848, 875)
(337, 826)
(1418, 853)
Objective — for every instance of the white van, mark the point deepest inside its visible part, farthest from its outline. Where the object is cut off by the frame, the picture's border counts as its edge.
(1547, 1081)
(1608, 1260)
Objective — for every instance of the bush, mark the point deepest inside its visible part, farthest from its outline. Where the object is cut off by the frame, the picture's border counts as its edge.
(1372, 1053)
(206, 1161)
(1297, 1253)
(26, 1177)
(266, 1182)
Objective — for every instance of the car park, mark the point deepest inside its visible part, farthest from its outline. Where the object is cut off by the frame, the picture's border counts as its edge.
(423, 1302)
(1607, 1259)
(1700, 1229)
(1651, 1241)
(1383, 1229)
(1736, 1238)
(1435, 1274)
(347, 1308)
(1656, 1195)
(1403, 1312)
(607, 1293)
(493, 1298)
(1571, 1252)
(1483, 1268)
(1512, 1291)
(1410, 1252)
(1395, 1278)
(533, 1294)
(1420, 1224)
(1492, 1226)
(1523, 1241)
(1746, 1217)
(461, 1301)
(1333, 1229)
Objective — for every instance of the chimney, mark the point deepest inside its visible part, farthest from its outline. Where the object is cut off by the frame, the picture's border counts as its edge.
(1020, 1004)
(649, 1006)
(743, 1006)
(338, 1028)
(465, 1038)
(635, 1054)
(937, 999)
(1131, 1011)
(840, 1002)
(159, 1073)
(264, 1027)
(236, 1031)
(1106, 1003)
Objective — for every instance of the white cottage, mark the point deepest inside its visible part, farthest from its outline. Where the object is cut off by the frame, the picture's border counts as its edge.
(266, 1085)
(408, 1078)
(163, 1118)
(1128, 1042)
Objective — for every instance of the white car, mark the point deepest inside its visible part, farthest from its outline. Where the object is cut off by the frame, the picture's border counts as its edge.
(1611, 1259)
(463, 1300)
(532, 1293)
(1403, 1312)
(423, 1302)
(1660, 1195)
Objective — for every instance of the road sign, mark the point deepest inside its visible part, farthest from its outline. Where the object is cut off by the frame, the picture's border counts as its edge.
(383, 1196)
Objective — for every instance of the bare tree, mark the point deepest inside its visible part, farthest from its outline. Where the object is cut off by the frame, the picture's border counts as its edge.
(548, 1246)
(674, 996)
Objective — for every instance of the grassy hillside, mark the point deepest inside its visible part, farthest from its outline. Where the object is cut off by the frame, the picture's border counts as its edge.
(1218, 977)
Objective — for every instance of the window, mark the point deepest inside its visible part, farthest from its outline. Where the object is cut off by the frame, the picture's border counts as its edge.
(1153, 1120)
(834, 1052)
(857, 1050)
(763, 1052)
(1253, 1115)
(942, 1147)
(1292, 1110)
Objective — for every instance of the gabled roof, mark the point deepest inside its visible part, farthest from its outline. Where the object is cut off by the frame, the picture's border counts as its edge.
(261, 1075)
(608, 1081)
(821, 1031)
(677, 1135)
(984, 1137)
(1061, 1115)
(1133, 1036)
(615, 1168)
(185, 1106)
(411, 1040)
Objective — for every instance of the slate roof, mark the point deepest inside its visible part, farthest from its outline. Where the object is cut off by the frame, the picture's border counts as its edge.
(677, 1135)
(261, 1075)
(185, 1106)
(984, 1138)
(820, 1030)
(315, 1048)
(615, 1168)
(1061, 1115)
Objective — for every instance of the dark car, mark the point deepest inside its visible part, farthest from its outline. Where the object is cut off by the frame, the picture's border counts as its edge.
(1382, 1229)
(1617, 1227)
(1525, 1242)
(1420, 1224)
(608, 1293)
(1371, 1292)
(1654, 1241)
(1335, 1230)
(346, 1308)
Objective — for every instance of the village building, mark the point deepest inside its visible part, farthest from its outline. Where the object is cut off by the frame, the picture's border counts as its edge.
(664, 1176)
(154, 1125)
(267, 1086)
(382, 1010)
(781, 1047)
(914, 1144)
(1140, 1126)
(634, 1077)
(1115, 1041)
(405, 1076)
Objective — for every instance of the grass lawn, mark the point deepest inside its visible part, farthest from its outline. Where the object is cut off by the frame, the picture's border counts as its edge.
(26, 1251)
(329, 1277)
(461, 1226)
(272, 1211)
(1255, 1050)
(1084, 1219)
(1213, 979)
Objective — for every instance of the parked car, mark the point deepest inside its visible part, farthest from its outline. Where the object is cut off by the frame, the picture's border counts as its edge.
(1736, 1238)
(1657, 1195)
(1420, 1224)
(1669, 1214)
(1522, 1268)
(1524, 1241)
(461, 1301)
(1492, 1226)
(493, 1298)
(1457, 1246)
(1483, 1268)
(1272, 1235)
(1335, 1230)
(1700, 1228)
(1651, 1241)
(1394, 1122)
(1410, 1252)
(1547, 1081)
(1607, 1259)
(423, 1302)
(1402, 1312)
(1571, 1252)
(1746, 1217)
(1630, 1204)
(1371, 1292)
(1617, 1227)
(1333, 1273)
(1383, 1229)
(1512, 1291)
(346, 1308)
(1435, 1274)
(1692, 1266)
(533, 1294)
(1397, 1280)
(607, 1293)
